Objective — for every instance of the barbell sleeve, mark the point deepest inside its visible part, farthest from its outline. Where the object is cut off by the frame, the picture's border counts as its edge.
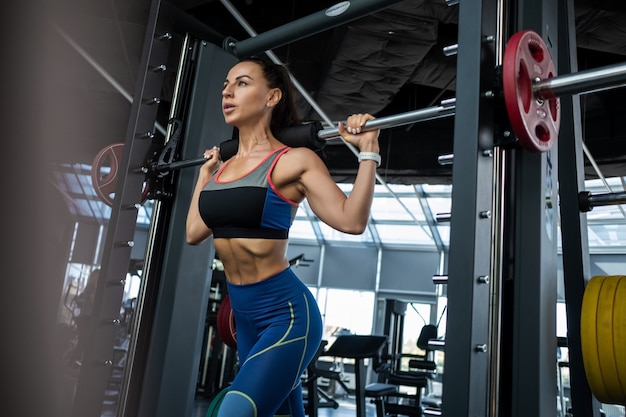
(582, 82)
(588, 201)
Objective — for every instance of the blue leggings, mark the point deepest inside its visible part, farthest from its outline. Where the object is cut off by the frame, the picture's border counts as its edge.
(279, 328)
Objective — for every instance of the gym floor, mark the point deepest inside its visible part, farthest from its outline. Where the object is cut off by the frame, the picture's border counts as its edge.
(347, 408)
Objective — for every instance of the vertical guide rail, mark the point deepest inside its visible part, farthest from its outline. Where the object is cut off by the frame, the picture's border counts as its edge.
(575, 246)
(500, 165)
(529, 339)
(466, 375)
(98, 357)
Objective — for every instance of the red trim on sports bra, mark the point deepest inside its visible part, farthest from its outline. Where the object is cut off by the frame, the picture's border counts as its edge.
(271, 183)
(219, 171)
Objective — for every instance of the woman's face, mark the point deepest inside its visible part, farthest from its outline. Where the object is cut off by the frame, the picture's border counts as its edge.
(246, 98)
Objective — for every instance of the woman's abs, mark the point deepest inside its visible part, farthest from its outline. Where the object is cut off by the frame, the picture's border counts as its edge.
(251, 260)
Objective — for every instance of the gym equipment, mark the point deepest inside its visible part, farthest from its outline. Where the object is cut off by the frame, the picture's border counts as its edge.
(340, 13)
(534, 121)
(104, 172)
(530, 88)
(359, 348)
(104, 186)
(378, 391)
(603, 337)
(587, 201)
(226, 323)
(312, 136)
(214, 406)
(316, 397)
(421, 369)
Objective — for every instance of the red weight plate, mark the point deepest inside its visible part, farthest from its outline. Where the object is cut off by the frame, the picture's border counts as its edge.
(105, 181)
(534, 121)
(226, 323)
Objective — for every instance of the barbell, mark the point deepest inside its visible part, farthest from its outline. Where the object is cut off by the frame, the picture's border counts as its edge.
(530, 87)
(531, 91)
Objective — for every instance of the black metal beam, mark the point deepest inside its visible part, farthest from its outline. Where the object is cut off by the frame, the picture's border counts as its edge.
(336, 15)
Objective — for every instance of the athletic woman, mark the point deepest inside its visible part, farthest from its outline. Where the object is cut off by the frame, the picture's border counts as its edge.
(248, 204)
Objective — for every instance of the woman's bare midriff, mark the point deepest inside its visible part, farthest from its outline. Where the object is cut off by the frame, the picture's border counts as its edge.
(247, 261)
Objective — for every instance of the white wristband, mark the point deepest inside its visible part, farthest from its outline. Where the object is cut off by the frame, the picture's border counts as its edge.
(370, 156)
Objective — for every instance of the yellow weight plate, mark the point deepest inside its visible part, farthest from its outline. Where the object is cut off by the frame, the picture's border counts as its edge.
(588, 337)
(619, 336)
(604, 335)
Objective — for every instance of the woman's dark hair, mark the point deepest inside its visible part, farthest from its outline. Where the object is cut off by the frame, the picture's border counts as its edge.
(285, 113)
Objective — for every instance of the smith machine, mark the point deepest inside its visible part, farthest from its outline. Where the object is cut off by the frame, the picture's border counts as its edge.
(501, 283)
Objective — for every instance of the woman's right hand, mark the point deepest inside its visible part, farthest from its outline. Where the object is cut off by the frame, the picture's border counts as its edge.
(213, 161)
(351, 131)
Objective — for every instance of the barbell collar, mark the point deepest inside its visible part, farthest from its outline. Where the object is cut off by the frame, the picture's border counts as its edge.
(582, 82)
(421, 115)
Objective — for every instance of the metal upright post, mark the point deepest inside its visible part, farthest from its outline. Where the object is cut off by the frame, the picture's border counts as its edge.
(529, 341)
(466, 367)
(576, 269)
(98, 355)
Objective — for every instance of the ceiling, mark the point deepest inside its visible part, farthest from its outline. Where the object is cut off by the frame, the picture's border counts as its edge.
(386, 63)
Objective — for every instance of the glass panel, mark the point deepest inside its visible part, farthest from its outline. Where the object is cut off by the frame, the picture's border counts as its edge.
(404, 234)
(346, 311)
(444, 233)
(439, 205)
(388, 208)
(302, 229)
(606, 235)
(331, 235)
(417, 316)
(437, 188)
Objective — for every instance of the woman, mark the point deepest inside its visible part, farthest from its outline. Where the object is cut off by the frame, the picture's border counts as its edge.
(248, 204)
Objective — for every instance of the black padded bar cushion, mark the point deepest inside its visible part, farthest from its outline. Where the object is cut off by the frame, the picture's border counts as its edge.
(302, 135)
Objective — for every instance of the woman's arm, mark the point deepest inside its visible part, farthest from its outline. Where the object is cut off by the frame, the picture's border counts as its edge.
(348, 214)
(197, 230)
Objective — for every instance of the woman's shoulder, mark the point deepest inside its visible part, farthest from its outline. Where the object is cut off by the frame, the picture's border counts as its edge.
(301, 153)
(294, 162)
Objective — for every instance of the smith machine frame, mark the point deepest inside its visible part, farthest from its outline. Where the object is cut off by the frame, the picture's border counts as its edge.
(500, 346)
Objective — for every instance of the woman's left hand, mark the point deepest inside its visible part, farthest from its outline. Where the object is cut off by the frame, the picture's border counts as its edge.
(352, 132)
